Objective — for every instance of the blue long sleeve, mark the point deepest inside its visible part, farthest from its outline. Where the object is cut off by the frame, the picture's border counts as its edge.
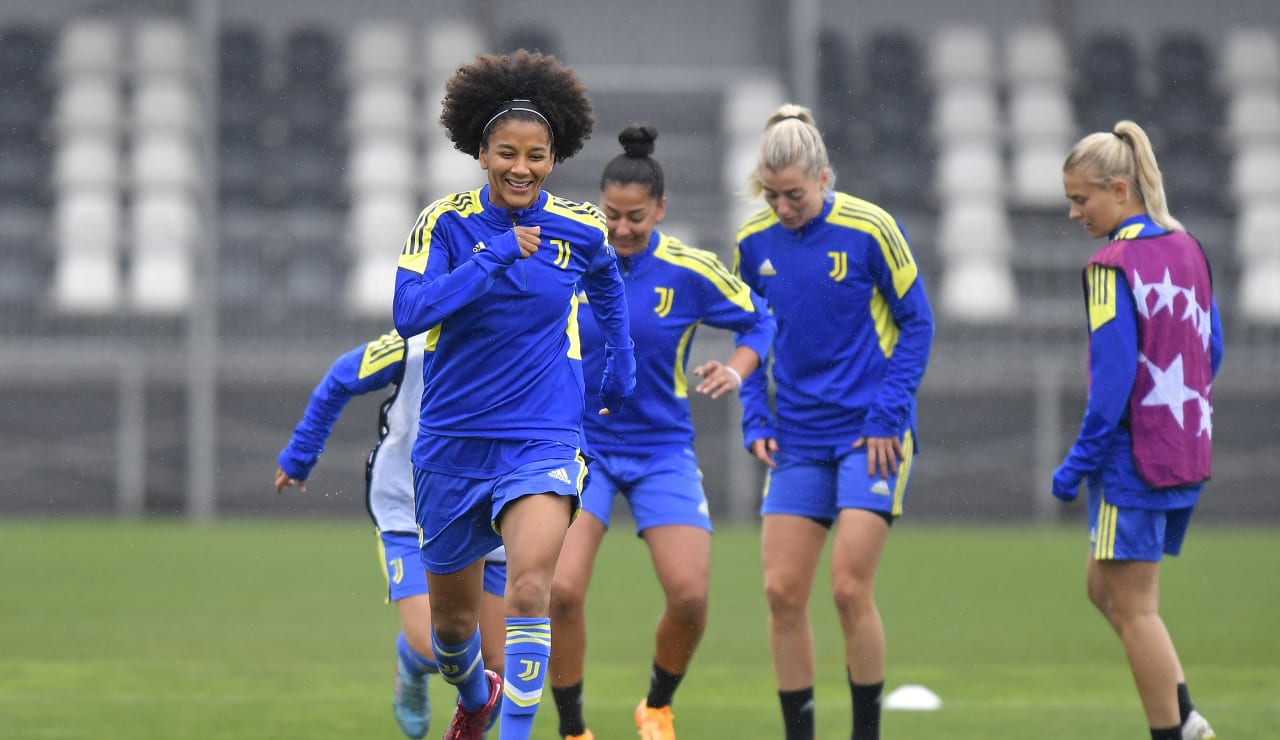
(366, 368)
(604, 288)
(1113, 367)
(1215, 338)
(891, 412)
(424, 299)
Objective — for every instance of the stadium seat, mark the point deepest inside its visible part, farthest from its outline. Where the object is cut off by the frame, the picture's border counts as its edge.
(89, 46)
(379, 50)
(24, 172)
(1260, 293)
(162, 48)
(894, 65)
(381, 108)
(1041, 114)
(88, 104)
(240, 53)
(1253, 116)
(978, 291)
(446, 45)
(966, 112)
(1258, 233)
(164, 221)
(1037, 177)
(86, 161)
(383, 164)
(166, 104)
(164, 161)
(962, 54)
(447, 170)
(371, 285)
(1106, 86)
(974, 228)
(380, 222)
(311, 57)
(160, 283)
(25, 51)
(748, 103)
(1250, 59)
(1035, 55)
(970, 170)
(1255, 175)
(87, 251)
(86, 284)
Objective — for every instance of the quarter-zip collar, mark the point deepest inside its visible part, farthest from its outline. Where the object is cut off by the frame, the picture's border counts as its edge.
(507, 216)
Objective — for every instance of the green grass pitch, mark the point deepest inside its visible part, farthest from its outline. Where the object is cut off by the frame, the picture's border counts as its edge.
(276, 630)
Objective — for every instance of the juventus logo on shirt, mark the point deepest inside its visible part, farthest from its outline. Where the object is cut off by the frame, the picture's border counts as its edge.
(666, 297)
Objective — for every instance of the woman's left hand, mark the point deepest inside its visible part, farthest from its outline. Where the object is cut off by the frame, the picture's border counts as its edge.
(717, 379)
(883, 454)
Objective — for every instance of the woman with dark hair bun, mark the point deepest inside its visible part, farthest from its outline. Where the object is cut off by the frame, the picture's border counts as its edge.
(645, 452)
(491, 275)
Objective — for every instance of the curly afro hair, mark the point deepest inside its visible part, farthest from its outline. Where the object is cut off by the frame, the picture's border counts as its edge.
(477, 90)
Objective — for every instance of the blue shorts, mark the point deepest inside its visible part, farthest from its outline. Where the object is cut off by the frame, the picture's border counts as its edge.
(396, 548)
(1128, 533)
(660, 489)
(818, 482)
(457, 515)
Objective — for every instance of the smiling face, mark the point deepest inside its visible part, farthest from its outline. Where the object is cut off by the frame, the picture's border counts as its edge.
(631, 213)
(796, 197)
(1099, 208)
(518, 159)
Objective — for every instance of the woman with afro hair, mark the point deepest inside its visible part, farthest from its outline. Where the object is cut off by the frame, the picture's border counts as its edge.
(491, 275)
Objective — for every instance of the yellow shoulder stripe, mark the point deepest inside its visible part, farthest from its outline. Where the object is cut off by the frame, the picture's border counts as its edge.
(872, 220)
(707, 265)
(1101, 286)
(381, 353)
(417, 246)
(757, 223)
(583, 213)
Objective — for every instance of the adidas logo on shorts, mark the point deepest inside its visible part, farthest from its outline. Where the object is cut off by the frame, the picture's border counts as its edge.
(560, 474)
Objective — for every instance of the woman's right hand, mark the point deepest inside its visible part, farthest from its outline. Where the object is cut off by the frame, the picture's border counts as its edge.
(528, 237)
(763, 450)
(284, 481)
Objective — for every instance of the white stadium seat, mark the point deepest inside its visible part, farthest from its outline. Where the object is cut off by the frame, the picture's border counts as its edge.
(978, 291)
(160, 282)
(1041, 114)
(89, 46)
(382, 107)
(962, 54)
(164, 221)
(162, 47)
(166, 104)
(381, 222)
(1251, 59)
(1037, 177)
(86, 283)
(1260, 292)
(1258, 233)
(164, 160)
(447, 170)
(974, 228)
(88, 104)
(1253, 117)
(1255, 174)
(970, 170)
(1036, 54)
(87, 161)
(966, 112)
(371, 284)
(379, 50)
(384, 164)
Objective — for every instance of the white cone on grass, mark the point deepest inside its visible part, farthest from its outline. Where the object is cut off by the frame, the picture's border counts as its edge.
(912, 698)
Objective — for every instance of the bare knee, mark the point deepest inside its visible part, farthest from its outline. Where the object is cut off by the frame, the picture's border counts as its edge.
(853, 596)
(687, 603)
(529, 595)
(787, 601)
(568, 601)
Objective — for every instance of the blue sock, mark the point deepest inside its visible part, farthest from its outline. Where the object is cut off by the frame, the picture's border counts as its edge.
(527, 653)
(415, 662)
(462, 666)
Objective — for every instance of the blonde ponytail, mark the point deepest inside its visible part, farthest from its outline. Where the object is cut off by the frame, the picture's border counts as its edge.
(790, 138)
(1124, 153)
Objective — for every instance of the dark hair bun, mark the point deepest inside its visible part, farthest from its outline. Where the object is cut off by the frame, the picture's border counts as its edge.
(637, 140)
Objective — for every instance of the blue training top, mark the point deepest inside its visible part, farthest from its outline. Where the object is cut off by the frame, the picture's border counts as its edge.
(508, 364)
(671, 289)
(854, 325)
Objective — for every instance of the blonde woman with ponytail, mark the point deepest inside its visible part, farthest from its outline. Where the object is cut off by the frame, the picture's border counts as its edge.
(1144, 448)
(853, 338)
